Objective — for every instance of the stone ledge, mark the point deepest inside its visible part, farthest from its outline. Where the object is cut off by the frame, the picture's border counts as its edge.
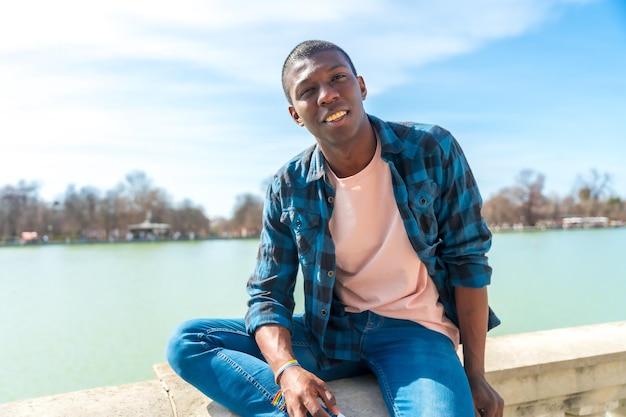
(142, 399)
(358, 396)
(557, 373)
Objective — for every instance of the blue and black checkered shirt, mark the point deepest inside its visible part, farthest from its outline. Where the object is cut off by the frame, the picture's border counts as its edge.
(439, 203)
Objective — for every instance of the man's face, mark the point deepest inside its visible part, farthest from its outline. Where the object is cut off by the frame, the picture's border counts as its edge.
(327, 97)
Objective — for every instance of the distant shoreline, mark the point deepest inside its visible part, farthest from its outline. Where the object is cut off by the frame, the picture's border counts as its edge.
(113, 242)
(494, 229)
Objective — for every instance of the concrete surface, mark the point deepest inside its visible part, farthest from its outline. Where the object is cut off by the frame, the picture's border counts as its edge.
(557, 373)
(143, 399)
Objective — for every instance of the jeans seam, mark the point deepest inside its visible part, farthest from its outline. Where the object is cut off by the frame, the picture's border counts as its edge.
(209, 332)
(382, 381)
(224, 329)
(249, 377)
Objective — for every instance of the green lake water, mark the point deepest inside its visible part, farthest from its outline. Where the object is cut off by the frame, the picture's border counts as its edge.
(83, 316)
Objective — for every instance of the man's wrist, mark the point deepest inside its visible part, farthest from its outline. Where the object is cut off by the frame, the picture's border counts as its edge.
(474, 374)
(285, 366)
(473, 367)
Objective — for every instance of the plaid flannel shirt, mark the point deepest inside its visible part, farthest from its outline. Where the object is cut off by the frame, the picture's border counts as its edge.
(439, 203)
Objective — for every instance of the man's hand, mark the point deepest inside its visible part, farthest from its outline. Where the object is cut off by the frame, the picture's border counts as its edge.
(487, 402)
(301, 389)
(473, 311)
(304, 392)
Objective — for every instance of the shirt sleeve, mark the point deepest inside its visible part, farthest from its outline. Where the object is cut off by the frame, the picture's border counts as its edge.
(464, 234)
(272, 283)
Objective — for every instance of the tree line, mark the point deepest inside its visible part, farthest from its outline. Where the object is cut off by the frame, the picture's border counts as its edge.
(522, 205)
(89, 214)
(525, 204)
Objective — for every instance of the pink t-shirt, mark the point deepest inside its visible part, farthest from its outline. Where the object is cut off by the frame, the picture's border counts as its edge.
(377, 268)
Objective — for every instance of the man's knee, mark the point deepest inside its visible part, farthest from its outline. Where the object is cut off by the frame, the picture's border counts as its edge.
(185, 341)
(192, 340)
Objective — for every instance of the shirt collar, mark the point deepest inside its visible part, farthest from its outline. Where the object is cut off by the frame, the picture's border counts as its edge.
(317, 168)
(389, 141)
(390, 144)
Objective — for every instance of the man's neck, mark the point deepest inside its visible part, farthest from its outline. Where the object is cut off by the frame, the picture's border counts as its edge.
(348, 161)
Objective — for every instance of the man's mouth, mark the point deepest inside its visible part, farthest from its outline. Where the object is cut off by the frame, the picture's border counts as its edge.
(335, 116)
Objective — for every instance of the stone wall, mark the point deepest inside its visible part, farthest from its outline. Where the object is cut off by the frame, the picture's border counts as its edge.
(578, 371)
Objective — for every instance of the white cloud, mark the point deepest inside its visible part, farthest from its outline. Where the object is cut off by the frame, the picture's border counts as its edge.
(128, 75)
(233, 38)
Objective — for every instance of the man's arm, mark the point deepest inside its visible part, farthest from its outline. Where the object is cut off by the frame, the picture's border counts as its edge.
(302, 390)
(473, 311)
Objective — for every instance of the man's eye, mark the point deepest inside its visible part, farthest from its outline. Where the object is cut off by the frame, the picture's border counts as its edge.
(306, 91)
(339, 77)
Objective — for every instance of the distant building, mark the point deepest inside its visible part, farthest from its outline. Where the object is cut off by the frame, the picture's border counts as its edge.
(584, 222)
(147, 230)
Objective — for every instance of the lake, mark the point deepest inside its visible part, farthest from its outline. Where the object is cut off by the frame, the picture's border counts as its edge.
(84, 316)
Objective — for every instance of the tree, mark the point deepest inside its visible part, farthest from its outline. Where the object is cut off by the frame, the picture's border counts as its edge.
(523, 203)
(81, 210)
(248, 214)
(144, 198)
(188, 218)
(114, 209)
(501, 209)
(615, 209)
(591, 189)
(20, 209)
(529, 192)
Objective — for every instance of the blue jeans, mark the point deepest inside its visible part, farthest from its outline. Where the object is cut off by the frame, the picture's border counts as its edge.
(418, 370)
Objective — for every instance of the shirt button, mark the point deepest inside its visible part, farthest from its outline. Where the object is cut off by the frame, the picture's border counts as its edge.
(330, 199)
(324, 312)
(423, 201)
(331, 274)
(298, 223)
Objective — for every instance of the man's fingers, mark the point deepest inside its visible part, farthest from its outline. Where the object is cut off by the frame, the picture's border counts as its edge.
(314, 406)
(315, 409)
(329, 400)
(305, 392)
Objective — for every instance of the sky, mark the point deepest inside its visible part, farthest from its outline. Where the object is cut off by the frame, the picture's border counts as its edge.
(189, 92)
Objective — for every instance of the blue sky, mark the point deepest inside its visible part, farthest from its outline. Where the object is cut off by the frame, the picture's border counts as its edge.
(189, 92)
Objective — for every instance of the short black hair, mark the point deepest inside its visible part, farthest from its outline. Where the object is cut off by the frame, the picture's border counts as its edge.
(305, 50)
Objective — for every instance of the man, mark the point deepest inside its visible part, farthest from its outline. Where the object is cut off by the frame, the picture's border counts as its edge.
(384, 221)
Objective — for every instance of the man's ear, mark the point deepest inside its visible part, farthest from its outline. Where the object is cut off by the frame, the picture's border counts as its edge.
(362, 86)
(295, 116)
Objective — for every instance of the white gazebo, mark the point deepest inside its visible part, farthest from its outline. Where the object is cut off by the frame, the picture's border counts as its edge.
(147, 230)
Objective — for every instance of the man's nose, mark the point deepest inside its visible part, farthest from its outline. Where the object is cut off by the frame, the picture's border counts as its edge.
(327, 94)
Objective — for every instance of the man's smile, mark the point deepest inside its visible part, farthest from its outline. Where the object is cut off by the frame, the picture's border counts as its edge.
(335, 116)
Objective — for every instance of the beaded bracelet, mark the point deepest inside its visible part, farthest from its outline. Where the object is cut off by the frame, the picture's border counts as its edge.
(287, 364)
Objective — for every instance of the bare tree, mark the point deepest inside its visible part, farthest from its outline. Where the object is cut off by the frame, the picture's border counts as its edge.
(529, 192)
(248, 214)
(502, 209)
(188, 219)
(81, 210)
(591, 189)
(144, 198)
(20, 209)
(615, 208)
